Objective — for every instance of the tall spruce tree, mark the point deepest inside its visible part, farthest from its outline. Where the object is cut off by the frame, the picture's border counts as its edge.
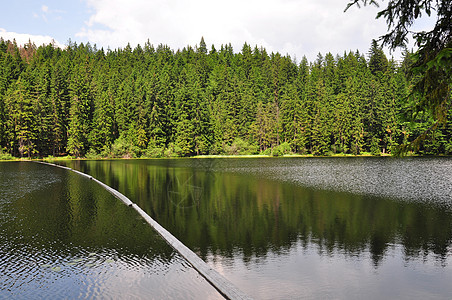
(81, 109)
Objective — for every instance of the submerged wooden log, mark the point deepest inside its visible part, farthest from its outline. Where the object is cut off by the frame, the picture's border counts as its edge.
(221, 284)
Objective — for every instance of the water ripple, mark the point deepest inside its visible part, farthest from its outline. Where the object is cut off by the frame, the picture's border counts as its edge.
(412, 179)
(64, 236)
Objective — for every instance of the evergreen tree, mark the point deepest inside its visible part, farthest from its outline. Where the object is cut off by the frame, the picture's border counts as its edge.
(81, 110)
(378, 63)
(60, 103)
(22, 124)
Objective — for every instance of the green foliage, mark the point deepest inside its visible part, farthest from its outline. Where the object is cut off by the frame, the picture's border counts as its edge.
(185, 138)
(124, 148)
(281, 150)
(154, 151)
(429, 68)
(92, 154)
(156, 102)
(378, 62)
(374, 148)
(240, 147)
(172, 151)
(5, 156)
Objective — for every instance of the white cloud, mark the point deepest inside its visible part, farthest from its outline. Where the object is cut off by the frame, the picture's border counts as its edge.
(295, 27)
(23, 38)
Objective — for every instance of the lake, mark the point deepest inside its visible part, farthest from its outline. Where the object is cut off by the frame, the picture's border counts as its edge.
(65, 237)
(284, 228)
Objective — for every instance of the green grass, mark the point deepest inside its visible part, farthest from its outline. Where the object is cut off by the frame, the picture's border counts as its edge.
(6, 156)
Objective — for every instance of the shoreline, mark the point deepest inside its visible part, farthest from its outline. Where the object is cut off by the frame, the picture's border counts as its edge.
(219, 157)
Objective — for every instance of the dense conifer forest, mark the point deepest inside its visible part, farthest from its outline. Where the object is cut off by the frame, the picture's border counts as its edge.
(157, 102)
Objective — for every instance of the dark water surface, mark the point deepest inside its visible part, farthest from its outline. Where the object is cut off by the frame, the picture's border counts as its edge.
(316, 228)
(65, 237)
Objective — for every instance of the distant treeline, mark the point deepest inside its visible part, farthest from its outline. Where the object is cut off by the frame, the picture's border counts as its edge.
(154, 102)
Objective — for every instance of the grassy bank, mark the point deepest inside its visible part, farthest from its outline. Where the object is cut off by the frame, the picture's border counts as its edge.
(8, 157)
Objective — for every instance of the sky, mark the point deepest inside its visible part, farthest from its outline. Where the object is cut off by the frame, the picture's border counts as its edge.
(294, 27)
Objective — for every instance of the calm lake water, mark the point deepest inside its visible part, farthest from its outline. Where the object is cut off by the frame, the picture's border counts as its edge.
(314, 228)
(65, 237)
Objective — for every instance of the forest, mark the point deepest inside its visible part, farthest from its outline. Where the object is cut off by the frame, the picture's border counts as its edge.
(157, 102)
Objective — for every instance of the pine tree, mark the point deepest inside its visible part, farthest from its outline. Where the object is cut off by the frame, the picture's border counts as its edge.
(81, 110)
(60, 103)
(378, 63)
(102, 135)
(22, 122)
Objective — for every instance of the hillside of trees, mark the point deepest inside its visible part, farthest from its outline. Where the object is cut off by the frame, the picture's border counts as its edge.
(156, 102)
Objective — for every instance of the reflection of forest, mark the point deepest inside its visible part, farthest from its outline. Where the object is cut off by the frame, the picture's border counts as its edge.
(64, 236)
(220, 212)
(74, 213)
